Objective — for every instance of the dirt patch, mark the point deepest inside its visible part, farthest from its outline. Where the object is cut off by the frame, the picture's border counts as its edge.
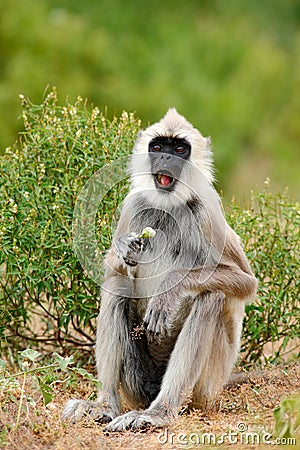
(244, 419)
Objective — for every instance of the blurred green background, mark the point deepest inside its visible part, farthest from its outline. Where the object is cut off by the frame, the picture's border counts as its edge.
(231, 67)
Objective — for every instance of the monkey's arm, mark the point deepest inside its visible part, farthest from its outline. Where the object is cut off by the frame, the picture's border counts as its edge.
(233, 251)
(232, 275)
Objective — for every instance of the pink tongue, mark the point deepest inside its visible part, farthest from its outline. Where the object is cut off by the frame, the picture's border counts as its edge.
(165, 180)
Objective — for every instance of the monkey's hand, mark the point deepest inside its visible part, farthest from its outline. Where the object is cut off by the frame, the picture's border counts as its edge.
(129, 247)
(158, 318)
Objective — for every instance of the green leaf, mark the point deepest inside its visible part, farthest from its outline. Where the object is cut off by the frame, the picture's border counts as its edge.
(30, 354)
(84, 373)
(2, 364)
(63, 362)
(46, 391)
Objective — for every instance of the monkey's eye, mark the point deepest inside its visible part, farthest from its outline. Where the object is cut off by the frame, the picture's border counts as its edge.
(180, 149)
(156, 148)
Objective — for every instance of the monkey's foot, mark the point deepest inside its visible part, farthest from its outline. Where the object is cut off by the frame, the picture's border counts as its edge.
(136, 420)
(79, 410)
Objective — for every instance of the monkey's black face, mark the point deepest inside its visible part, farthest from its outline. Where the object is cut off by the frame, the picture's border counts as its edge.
(167, 156)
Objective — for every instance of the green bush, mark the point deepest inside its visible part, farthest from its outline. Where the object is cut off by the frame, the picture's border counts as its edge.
(46, 297)
(270, 232)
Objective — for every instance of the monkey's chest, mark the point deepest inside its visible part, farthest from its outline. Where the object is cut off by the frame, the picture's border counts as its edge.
(158, 261)
(176, 245)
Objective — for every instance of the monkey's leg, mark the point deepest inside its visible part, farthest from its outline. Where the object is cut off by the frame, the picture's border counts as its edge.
(204, 353)
(203, 350)
(112, 333)
(221, 358)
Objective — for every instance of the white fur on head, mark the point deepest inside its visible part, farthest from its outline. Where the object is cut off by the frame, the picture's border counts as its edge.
(171, 125)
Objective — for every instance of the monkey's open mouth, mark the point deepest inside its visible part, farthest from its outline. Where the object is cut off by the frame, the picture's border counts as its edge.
(164, 180)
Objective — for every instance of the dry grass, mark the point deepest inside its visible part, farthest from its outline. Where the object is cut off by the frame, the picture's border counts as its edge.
(40, 427)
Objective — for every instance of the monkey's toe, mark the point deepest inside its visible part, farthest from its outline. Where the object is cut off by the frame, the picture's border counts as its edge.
(81, 410)
(136, 420)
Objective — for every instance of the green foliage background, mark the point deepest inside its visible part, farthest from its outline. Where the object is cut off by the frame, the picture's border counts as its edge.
(233, 68)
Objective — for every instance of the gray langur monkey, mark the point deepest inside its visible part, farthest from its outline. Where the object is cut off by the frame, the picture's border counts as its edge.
(171, 306)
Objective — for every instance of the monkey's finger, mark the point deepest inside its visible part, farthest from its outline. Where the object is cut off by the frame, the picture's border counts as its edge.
(122, 248)
(136, 244)
(149, 321)
(126, 239)
(130, 262)
(149, 333)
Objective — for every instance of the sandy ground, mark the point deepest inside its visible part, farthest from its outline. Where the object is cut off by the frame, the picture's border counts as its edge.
(244, 420)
